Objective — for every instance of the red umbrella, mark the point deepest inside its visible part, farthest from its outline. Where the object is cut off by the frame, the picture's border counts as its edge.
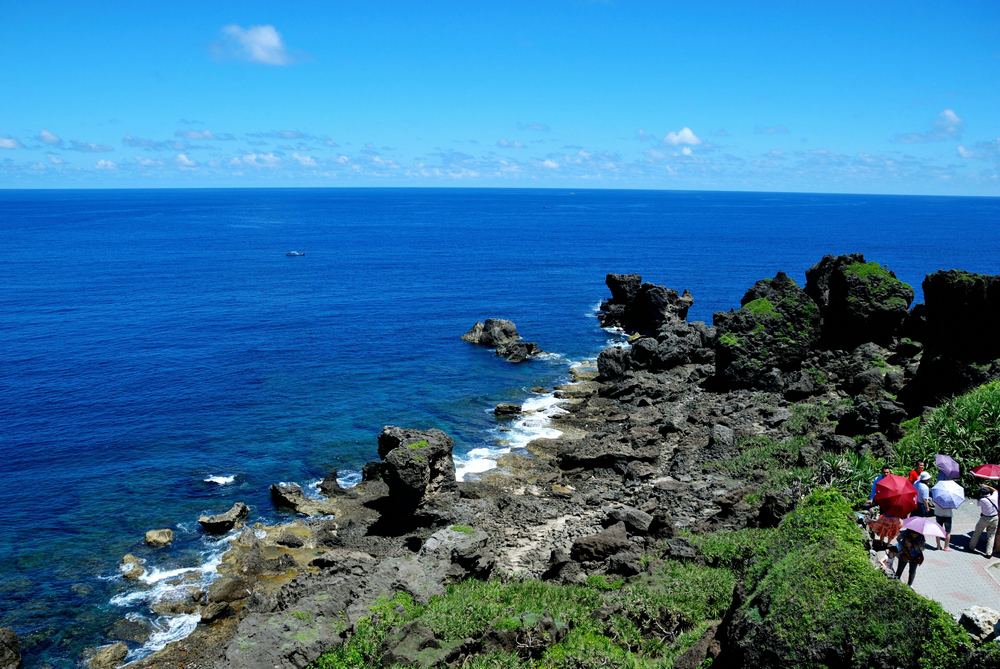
(987, 471)
(896, 496)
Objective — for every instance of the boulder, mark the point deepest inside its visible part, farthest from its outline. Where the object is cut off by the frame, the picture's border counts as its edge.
(517, 351)
(721, 442)
(461, 551)
(636, 521)
(613, 362)
(507, 410)
(10, 649)
(108, 657)
(224, 522)
(981, 623)
(859, 301)
(417, 466)
(159, 538)
(131, 628)
(213, 611)
(602, 545)
(493, 332)
(773, 330)
(414, 645)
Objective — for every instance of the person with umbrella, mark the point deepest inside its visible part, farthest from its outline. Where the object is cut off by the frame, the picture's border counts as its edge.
(885, 472)
(911, 552)
(988, 510)
(947, 467)
(897, 498)
(947, 496)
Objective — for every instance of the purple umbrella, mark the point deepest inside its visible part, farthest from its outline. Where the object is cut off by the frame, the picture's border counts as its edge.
(948, 495)
(947, 466)
(925, 526)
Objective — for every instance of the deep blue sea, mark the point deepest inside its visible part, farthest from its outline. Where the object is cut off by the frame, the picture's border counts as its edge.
(161, 357)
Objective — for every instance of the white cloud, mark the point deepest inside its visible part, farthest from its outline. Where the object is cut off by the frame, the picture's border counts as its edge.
(256, 44)
(104, 165)
(56, 160)
(147, 162)
(202, 134)
(184, 161)
(551, 164)
(305, 161)
(948, 125)
(89, 147)
(10, 143)
(770, 130)
(686, 150)
(505, 144)
(47, 137)
(330, 142)
(684, 136)
(261, 160)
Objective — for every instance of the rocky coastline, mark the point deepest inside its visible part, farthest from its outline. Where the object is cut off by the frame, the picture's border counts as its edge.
(657, 450)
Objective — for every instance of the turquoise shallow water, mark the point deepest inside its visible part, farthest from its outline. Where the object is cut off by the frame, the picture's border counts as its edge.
(154, 339)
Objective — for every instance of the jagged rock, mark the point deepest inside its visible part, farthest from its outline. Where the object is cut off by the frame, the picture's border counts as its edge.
(636, 521)
(10, 649)
(706, 647)
(773, 330)
(417, 466)
(963, 314)
(507, 410)
(127, 629)
(213, 611)
(493, 332)
(228, 589)
(224, 522)
(721, 442)
(601, 545)
(662, 526)
(858, 301)
(653, 305)
(637, 471)
(462, 550)
(285, 495)
(330, 486)
(517, 351)
(108, 657)
(623, 287)
(625, 563)
(981, 623)
(679, 548)
(290, 540)
(159, 538)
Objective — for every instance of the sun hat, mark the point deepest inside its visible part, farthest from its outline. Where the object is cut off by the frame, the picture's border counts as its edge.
(925, 476)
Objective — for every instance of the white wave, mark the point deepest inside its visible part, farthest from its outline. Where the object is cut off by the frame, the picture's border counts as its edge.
(168, 629)
(533, 423)
(348, 478)
(221, 480)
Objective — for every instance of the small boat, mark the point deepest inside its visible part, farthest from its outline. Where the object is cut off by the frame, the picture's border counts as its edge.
(294, 253)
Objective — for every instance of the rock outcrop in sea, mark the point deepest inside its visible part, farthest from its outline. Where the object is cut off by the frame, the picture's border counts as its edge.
(502, 334)
(651, 457)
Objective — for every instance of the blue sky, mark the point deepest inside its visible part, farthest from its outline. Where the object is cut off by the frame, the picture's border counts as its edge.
(886, 97)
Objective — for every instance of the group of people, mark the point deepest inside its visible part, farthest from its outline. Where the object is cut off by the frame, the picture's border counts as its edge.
(909, 549)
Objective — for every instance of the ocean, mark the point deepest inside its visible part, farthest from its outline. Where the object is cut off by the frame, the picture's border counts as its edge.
(162, 358)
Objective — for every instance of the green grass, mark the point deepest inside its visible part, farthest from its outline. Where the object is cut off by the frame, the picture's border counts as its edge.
(729, 339)
(418, 444)
(760, 307)
(966, 427)
(631, 637)
(464, 529)
(868, 270)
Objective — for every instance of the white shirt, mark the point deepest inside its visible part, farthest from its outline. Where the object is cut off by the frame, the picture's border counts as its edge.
(943, 513)
(988, 504)
(923, 492)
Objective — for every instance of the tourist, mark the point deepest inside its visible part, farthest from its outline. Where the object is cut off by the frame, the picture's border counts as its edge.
(923, 494)
(888, 563)
(987, 496)
(915, 473)
(886, 528)
(885, 472)
(911, 552)
(943, 518)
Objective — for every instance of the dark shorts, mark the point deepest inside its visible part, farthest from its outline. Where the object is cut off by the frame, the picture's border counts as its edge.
(944, 521)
